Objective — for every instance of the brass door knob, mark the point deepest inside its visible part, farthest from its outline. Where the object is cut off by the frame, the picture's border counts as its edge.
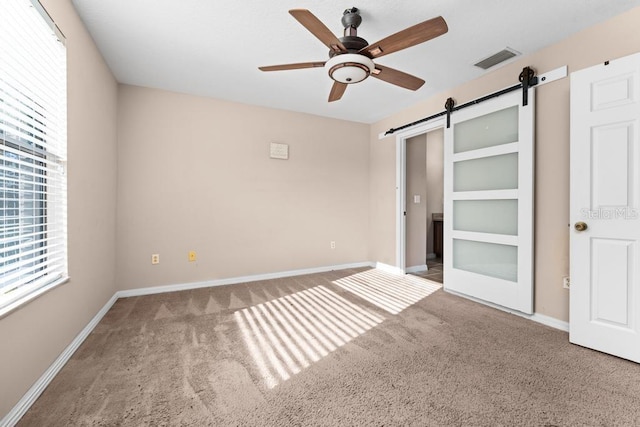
(580, 226)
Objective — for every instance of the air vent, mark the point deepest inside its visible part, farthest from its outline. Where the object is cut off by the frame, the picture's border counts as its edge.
(496, 58)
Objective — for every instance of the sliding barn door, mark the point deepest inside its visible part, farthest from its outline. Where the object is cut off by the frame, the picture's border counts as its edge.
(488, 210)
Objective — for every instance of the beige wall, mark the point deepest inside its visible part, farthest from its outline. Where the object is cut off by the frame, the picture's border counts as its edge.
(612, 39)
(416, 185)
(195, 174)
(435, 181)
(33, 336)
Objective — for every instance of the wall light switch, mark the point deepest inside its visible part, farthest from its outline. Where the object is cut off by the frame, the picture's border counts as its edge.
(416, 198)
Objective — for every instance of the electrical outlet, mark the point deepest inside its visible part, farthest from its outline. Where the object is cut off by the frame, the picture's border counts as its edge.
(333, 245)
(192, 256)
(155, 259)
(566, 282)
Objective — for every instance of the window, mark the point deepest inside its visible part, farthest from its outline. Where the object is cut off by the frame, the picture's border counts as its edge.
(33, 150)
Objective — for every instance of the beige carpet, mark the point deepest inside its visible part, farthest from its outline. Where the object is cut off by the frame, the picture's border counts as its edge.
(351, 347)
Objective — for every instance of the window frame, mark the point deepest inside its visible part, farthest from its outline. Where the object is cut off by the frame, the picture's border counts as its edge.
(46, 187)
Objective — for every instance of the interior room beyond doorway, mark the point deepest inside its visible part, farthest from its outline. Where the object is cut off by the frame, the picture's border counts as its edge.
(424, 204)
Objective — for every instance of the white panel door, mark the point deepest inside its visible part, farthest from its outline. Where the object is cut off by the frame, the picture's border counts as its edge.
(488, 212)
(605, 197)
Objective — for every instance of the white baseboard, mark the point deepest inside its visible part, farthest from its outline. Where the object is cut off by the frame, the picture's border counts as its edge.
(29, 398)
(416, 268)
(550, 321)
(233, 280)
(389, 268)
(536, 317)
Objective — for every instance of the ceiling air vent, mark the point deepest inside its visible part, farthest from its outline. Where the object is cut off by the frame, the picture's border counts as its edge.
(496, 58)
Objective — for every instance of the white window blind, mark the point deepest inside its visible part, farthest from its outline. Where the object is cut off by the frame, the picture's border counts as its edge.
(33, 152)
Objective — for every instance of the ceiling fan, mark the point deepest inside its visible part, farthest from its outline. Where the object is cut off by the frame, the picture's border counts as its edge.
(351, 57)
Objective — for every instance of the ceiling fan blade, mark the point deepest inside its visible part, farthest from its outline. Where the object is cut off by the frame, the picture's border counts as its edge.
(292, 66)
(337, 90)
(318, 29)
(397, 78)
(408, 37)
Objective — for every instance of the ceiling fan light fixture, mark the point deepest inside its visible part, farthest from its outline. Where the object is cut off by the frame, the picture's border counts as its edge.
(349, 68)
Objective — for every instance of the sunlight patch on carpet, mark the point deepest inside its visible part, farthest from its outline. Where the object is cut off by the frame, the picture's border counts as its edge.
(390, 292)
(288, 334)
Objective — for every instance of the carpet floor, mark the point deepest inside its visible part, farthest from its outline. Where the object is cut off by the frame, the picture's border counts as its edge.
(349, 347)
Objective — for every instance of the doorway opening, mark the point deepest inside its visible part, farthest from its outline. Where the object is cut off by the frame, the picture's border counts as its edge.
(425, 204)
(420, 198)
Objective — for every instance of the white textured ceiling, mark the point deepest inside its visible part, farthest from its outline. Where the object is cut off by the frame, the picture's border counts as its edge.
(213, 47)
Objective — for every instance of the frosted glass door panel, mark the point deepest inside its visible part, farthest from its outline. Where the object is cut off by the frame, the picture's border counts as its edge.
(488, 259)
(486, 173)
(500, 127)
(488, 202)
(486, 216)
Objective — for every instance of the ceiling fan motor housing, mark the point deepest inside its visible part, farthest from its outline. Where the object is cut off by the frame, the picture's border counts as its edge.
(353, 44)
(350, 67)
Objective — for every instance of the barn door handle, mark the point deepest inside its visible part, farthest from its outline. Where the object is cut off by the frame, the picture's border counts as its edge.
(580, 226)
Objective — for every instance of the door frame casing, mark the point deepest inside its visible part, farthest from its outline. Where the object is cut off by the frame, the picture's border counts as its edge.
(401, 184)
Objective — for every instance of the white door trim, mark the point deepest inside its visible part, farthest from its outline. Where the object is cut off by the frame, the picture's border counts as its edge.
(401, 183)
